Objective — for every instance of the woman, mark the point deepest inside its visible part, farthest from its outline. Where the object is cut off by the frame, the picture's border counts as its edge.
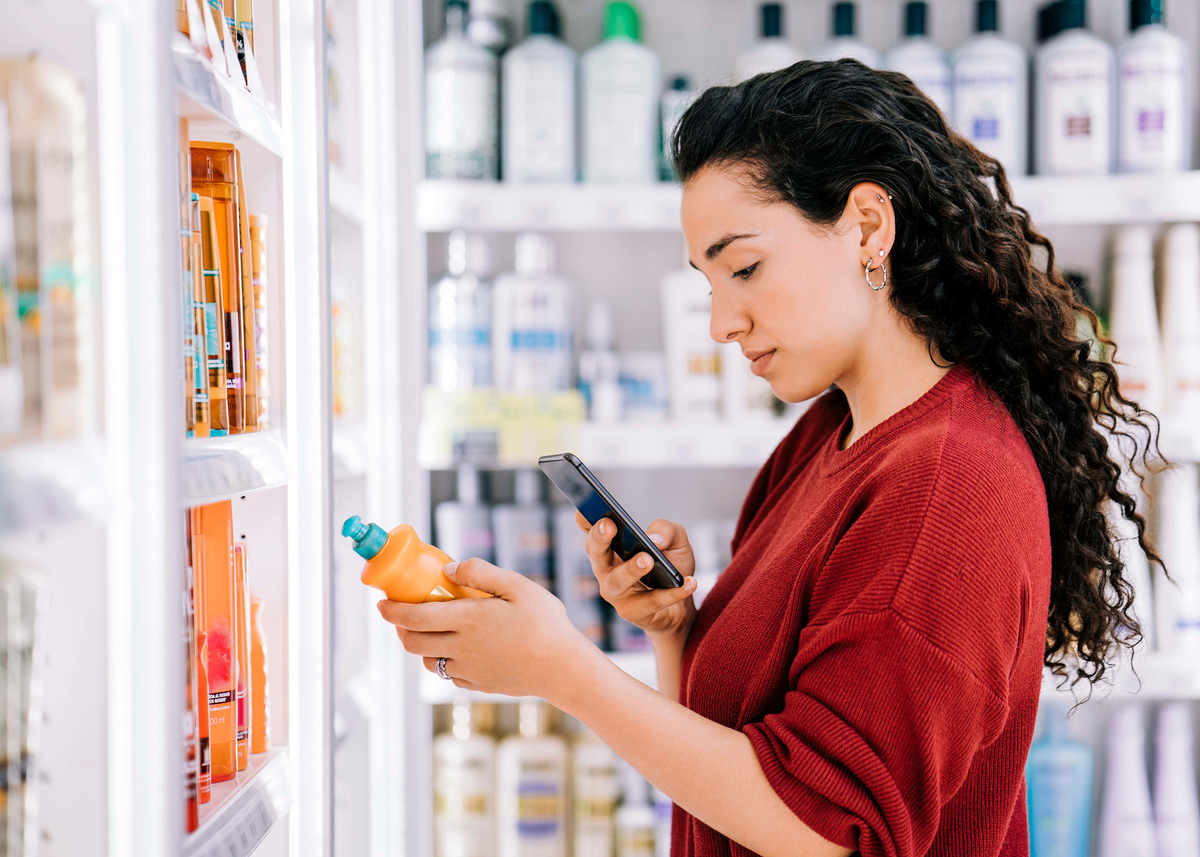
(865, 674)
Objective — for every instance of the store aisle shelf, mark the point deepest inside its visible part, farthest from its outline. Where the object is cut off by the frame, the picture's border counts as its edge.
(242, 812)
(52, 482)
(209, 94)
(220, 468)
(1154, 676)
(349, 450)
(435, 690)
(345, 197)
(508, 206)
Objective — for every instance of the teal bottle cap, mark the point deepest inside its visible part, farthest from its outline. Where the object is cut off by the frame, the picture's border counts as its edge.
(621, 20)
(369, 539)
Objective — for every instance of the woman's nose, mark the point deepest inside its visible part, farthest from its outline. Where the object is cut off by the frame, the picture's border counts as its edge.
(728, 321)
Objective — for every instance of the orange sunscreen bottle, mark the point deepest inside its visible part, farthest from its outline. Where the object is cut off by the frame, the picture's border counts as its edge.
(200, 622)
(242, 638)
(216, 525)
(260, 720)
(205, 781)
(402, 565)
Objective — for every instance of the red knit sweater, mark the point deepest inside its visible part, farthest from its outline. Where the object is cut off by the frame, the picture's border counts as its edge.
(879, 632)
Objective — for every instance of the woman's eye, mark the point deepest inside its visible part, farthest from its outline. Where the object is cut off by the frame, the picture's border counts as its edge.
(745, 273)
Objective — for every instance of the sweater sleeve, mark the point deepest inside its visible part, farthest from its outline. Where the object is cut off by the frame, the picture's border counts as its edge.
(876, 734)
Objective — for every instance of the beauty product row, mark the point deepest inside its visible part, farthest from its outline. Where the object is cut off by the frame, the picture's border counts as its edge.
(222, 33)
(224, 297)
(543, 543)
(516, 334)
(21, 708)
(227, 711)
(49, 335)
(539, 793)
(1134, 820)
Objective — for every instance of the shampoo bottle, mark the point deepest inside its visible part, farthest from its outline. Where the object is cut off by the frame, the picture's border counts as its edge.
(260, 669)
(460, 317)
(464, 760)
(199, 381)
(991, 92)
(522, 530)
(1074, 75)
(600, 366)
(244, 692)
(744, 395)
(844, 45)
(1126, 826)
(919, 58)
(216, 528)
(595, 790)
(772, 50)
(1134, 318)
(693, 358)
(402, 565)
(1058, 777)
(464, 525)
(1154, 71)
(213, 302)
(1176, 806)
(636, 820)
(1180, 322)
(675, 102)
(621, 82)
(539, 103)
(574, 583)
(1178, 539)
(531, 785)
(532, 328)
(489, 25)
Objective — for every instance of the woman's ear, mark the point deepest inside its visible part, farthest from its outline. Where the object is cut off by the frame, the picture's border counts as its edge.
(869, 209)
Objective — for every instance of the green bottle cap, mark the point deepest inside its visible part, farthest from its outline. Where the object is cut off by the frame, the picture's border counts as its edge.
(369, 539)
(621, 21)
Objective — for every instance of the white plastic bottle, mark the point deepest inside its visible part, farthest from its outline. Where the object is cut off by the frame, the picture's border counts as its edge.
(532, 328)
(621, 82)
(464, 525)
(596, 790)
(991, 100)
(744, 395)
(1154, 72)
(673, 104)
(539, 103)
(1146, 598)
(637, 823)
(919, 58)
(662, 834)
(460, 316)
(522, 530)
(1126, 818)
(531, 787)
(1180, 323)
(693, 358)
(464, 784)
(489, 25)
(574, 583)
(1075, 99)
(600, 366)
(1178, 602)
(462, 101)
(772, 51)
(1134, 319)
(844, 45)
(1176, 806)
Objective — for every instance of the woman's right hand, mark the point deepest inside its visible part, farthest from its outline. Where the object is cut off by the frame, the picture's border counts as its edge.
(658, 612)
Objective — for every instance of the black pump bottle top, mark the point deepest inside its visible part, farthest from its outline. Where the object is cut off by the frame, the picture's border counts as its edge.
(843, 19)
(915, 15)
(772, 20)
(987, 16)
(1145, 12)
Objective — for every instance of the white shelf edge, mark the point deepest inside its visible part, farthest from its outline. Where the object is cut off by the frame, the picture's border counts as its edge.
(349, 450)
(214, 95)
(44, 483)
(242, 812)
(437, 691)
(345, 197)
(1051, 201)
(221, 468)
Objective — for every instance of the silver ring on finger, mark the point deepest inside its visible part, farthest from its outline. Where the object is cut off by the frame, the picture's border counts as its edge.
(441, 669)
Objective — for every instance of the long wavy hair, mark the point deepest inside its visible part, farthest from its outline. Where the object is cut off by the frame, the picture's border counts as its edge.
(972, 276)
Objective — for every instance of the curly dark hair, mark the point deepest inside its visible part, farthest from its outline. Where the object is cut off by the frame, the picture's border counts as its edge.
(964, 272)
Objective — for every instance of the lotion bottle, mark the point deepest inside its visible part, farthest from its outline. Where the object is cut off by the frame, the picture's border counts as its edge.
(464, 799)
(919, 58)
(621, 82)
(1058, 777)
(1180, 322)
(1076, 134)
(531, 332)
(1176, 806)
(460, 317)
(1134, 319)
(1154, 70)
(595, 792)
(539, 103)
(844, 45)
(693, 358)
(991, 99)
(1126, 819)
(600, 366)
(531, 787)
(574, 583)
(522, 530)
(464, 525)
(1178, 541)
(674, 103)
(637, 822)
(772, 51)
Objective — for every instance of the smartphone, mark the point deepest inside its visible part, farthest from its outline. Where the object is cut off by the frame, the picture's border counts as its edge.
(594, 502)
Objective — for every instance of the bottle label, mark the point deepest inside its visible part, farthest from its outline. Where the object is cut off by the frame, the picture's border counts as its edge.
(212, 337)
(1153, 110)
(537, 340)
(461, 122)
(621, 126)
(1077, 113)
(539, 806)
(987, 103)
(539, 120)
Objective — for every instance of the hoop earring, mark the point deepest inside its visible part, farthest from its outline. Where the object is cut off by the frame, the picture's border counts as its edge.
(874, 287)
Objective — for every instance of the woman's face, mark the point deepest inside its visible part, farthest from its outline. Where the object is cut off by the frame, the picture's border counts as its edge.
(791, 294)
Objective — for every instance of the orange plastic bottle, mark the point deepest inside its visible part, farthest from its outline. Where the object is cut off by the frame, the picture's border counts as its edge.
(402, 565)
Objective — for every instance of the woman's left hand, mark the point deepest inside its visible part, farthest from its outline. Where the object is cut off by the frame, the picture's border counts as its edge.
(517, 643)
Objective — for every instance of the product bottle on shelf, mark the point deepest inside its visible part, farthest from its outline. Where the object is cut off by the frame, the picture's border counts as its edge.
(1137, 567)
(991, 92)
(595, 792)
(1176, 806)
(201, 416)
(1178, 540)
(693, 358)
(675, 102)
(531, 785)
(191, 705)
(214, 315)
(199, 597)
(12, 396)
(744, 395)
(462, 96)
(574, 583)
(460, 317)
(1180, 317)
(662, 831)
(1126, 826)
(245, 267)
(489, 25)
(187, 315)
(1058, 778)
(245, 694)
(1133, 318)
(637, 822)
(1154, 73)
(844, 45)
(463, 783)
(260, 669)
(522, 530)
(539, 103)
(919, 58)
(262, 348)
(464, 525)
(1075, 98)
(215, 527)
(772, 51)
(644, 386)
(531, 332)
(600, 366)
(621, 83)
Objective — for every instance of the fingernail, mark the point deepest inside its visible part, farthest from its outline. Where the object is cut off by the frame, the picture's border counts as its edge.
(449, 569)
(657, 539)
(379, 606)
(689, 584)
(604, 525)
(643, 561)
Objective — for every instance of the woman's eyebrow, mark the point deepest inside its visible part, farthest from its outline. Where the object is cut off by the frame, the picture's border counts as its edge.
(719, 246)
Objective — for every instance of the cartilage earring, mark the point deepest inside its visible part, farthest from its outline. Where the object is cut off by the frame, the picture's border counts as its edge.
(874, 287)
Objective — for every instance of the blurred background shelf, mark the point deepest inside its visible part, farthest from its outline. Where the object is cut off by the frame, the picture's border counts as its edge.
(345, 197)
(220, 468)
(1152, 677)
(242, 812)
(435, 691)
(47, 483)
(349, 449)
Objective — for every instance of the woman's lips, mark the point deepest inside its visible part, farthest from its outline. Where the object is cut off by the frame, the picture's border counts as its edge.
(760, 360)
